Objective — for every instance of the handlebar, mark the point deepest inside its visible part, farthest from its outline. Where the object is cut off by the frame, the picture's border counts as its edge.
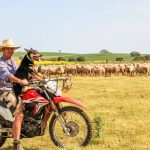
(34, 82)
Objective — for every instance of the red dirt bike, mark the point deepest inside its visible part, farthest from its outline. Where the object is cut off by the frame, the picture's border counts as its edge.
(41, 100)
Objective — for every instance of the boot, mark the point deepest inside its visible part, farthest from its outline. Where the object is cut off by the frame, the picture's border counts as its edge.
(17, 145)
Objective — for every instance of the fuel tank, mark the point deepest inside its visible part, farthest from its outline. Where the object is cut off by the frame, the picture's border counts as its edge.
(33, 96)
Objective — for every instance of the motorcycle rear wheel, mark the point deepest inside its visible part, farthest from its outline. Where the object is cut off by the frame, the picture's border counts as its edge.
(78, 124)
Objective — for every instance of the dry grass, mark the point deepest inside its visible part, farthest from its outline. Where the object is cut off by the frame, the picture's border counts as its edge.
(123, 104)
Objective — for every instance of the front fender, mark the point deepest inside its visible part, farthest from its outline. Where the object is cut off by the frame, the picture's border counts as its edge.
(68, 100)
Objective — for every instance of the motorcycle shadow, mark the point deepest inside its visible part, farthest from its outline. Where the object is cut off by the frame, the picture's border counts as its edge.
(9, 148)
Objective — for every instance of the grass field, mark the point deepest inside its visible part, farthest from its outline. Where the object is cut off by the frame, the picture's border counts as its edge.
(122, 105)
(88, 57)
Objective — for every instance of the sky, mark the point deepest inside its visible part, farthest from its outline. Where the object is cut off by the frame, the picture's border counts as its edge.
(77, 26)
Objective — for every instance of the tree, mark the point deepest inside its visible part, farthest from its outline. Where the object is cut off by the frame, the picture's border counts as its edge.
(61, 59)
(104, 51)
(71, 59)
(119, 59)
(147, 57)
(81, 58)
(134, 53)
(138, 58)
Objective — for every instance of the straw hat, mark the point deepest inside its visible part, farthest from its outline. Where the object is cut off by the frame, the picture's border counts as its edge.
(8, 43)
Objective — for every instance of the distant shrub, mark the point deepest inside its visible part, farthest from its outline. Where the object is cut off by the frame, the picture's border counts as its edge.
(119, 59)
(61, 59)
(104, 51)
(138, 58)
(134, 54)
(81, 58)
(147, 57)
(71, 59)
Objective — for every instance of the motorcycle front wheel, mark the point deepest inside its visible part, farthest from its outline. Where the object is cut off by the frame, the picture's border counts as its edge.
(78, 125)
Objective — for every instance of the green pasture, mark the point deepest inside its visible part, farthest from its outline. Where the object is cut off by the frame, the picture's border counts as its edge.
(119, 108)
(105, 57)
(88, 57)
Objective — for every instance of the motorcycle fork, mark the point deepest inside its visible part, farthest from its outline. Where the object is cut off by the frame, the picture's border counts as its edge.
(56, 113)
(62, 122)
(60, 117)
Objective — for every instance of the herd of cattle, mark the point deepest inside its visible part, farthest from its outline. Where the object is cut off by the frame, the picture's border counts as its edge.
(96, 69)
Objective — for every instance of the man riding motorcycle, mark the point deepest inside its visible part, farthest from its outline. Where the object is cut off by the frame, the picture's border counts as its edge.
(8, 68)
(41, 100)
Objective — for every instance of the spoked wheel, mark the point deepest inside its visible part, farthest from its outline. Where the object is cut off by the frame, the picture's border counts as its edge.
(77, 124)
(2, 136)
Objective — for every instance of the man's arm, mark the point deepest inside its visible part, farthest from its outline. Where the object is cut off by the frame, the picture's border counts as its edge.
(14, 79)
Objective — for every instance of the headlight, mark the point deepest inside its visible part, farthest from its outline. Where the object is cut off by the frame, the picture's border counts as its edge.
(52, 86)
